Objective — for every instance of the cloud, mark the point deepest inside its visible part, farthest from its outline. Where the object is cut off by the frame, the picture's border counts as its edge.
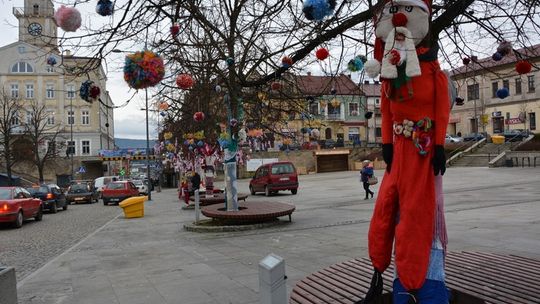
(134, 127)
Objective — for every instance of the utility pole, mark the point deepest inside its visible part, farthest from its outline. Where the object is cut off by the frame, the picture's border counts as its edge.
(71, 122)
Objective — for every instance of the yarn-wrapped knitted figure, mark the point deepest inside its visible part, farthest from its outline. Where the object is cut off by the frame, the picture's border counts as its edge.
(415, 108)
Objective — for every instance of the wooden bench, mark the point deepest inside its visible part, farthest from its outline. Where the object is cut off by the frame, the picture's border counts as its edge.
(218, 198)
(253, 212)
(473, 278)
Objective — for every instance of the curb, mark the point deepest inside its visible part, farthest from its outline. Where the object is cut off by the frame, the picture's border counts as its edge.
(192, 227)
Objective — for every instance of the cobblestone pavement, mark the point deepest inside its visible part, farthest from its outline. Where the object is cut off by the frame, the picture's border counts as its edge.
(33, 245)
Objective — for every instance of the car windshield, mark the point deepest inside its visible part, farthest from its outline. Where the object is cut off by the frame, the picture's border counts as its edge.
(137, 182)
(79, 187)
(282, 169)
(115, 186)
(34, 190)
(5, 193)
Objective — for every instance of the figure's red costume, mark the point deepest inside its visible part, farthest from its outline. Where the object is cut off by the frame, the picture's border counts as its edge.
(409, 189)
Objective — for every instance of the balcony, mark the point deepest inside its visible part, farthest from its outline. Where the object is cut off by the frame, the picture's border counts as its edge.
(33, 11)
(334, 117)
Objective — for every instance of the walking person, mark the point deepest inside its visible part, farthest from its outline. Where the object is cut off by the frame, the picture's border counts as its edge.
(365, 174)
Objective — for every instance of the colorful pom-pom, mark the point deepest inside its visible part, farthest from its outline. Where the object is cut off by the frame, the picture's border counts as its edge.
(276, 86)
(68, 18)
(229, 61)
(497, 56)
(175, 30)
(143, 69)
(198, 116)
(217, 88)
(315, 133)
(322, 54)
(504, 48)
(356, 64)
(163, 114)
(233, 122)
(163, 106)
(51, 60)
(318, 9)
(286, 62)
(466, 60)
(89, 91)
(184, 81)
(523, 67)
(105, 7)
(503, 93)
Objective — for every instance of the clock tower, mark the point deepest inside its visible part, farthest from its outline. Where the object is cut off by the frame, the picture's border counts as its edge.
(36, 23)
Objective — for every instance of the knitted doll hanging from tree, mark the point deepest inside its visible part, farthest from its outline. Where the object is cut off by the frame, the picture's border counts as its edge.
(415, 108)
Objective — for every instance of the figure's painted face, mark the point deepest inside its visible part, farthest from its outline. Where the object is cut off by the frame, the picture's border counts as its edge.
(400, 13)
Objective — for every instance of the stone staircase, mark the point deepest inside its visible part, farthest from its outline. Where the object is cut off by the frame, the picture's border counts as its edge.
(481, 156)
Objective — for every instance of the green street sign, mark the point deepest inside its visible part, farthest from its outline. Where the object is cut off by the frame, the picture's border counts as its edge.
(122, 172)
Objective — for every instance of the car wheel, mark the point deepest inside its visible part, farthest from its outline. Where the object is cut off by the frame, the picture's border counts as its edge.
(54, 208)
(105, 203)
(251, 190)
(65, 206)
(19, 220)
(294, 191)
(267, 191)
(39, 215)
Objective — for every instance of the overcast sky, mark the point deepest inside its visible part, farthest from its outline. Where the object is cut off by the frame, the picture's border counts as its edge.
(129, 122)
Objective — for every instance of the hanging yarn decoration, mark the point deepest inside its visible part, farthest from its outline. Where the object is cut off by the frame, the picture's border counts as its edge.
(143, 69)
(198, 116)
(68, 18)
(89, 91)
(497, 56)
(233, 122)
(105, 7)
(163, 106)
(504, 48)
(200, 144)
(503, 93)
(315, 133)
(51, 60)
(175, 30)
(217, 88)
(275, 86)
(466, 60)
(523, 67)
(184, 81)
(167, 135)
(318, 9)
(286, 62)
(229, 61)
(163, 114)
(322, 54)
(357, 64)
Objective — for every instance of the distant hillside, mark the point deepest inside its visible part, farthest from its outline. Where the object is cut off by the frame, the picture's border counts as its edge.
(125, 143)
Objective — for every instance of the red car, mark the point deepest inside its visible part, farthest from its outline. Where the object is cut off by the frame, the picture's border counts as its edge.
(270, 178)
(115, 192)
(17, 205)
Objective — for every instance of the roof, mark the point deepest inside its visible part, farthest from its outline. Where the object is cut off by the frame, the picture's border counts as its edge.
(488, 62)
(371, 89)
(322, 85)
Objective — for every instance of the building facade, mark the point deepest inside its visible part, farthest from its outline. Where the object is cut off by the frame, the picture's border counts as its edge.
(372, 92)
(26, 73)
(486, 109)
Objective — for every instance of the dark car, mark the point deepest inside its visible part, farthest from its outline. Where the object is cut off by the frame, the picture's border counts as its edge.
(273, 177)
(81, 193)
(473, 137)
(52, 196)
(515, 135)
(329, 144)
(340, 143)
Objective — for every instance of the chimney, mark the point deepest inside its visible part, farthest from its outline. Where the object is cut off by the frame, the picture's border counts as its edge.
(366, 81)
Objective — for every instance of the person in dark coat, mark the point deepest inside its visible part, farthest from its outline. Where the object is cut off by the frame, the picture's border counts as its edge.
(365, 174)
(195, 181)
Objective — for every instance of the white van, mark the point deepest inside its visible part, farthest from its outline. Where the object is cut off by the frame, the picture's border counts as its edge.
(101, 182)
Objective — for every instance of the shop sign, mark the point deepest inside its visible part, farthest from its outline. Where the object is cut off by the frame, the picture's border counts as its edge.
(513, 121)
(496, 114)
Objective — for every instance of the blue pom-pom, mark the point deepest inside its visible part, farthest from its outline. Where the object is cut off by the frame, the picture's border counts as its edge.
(503, 93)
(356, 64)
(497, 56)
(163, 114)
(200, 143)
(51, 60)
(105, 7)
(318, 9)
(230, 61)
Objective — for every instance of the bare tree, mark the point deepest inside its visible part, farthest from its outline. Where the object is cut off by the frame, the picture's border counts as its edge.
(45, 139)
(10, 130)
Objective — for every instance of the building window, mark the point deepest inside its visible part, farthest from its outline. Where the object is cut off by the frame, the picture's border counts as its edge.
(85, 145)
(494, 88)
(530, 81)
(21, 50)
(15, 119)
(353, 109)
(30, 91)
(378, 132)
(29, 118)
(377, 101)
(70, 88)
(71, 118)
(354, 134)
(70, 148)
(50, 117)
(51, 147)
(506, 84)
(14, 90)
(518, 86)
(85, 117)
(532, 121)
(49, 69)
(36, 9)
(22, 67)
(473, 91)
(314, 108)
(50, 91)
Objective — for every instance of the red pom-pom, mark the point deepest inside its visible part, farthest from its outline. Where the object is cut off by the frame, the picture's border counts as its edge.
(175, 30)
(523, 67)
(286, 61)
(198, 116)
(94, 92)
(276, 86)
(184, 81)
(466, 60)
(399, 19)
(395, 57)
(322, 54)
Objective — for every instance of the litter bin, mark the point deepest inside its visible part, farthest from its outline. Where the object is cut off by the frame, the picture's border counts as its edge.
(497, 139)
(133, 206)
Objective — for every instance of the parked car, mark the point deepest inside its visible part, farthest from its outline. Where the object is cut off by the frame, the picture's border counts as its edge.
(340, 143)
(115, 192)
(515, 135)
(81, 193)
(52, 196)
(452, 139)
(329, 144)
(101, 182)
(273, 177)
(17, 205)
(292, 147)
(474, 137)
(310, 145)
(142, 187)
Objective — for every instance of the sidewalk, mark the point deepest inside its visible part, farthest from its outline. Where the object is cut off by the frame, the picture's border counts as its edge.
(153, 260)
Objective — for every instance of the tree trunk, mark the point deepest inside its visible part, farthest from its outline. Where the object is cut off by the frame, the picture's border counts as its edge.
(40, 171)
(8, 171)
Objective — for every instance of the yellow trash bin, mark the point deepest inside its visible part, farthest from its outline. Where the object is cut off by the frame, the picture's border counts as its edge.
(133, 206)
(497, 139)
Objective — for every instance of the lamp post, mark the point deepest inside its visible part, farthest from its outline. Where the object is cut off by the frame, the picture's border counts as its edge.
(71, 122)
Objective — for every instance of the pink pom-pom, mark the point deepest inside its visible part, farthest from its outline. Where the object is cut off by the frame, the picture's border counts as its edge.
(68, 18)
(184, 81)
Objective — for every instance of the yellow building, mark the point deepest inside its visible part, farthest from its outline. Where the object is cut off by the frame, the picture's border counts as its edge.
(481, 83)
(26, 74)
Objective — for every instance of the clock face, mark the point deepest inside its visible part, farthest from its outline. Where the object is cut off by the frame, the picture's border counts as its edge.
(34, 29)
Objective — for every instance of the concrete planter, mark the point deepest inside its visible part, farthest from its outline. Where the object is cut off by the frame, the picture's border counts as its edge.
(8, 285)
